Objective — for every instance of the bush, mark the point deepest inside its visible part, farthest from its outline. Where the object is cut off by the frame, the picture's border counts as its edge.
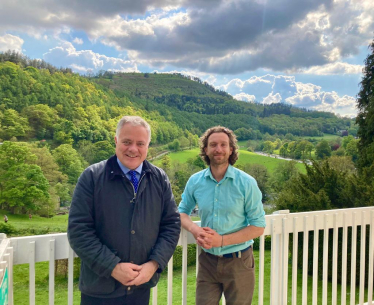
(8, 229)
(191, 256)
(256, 245)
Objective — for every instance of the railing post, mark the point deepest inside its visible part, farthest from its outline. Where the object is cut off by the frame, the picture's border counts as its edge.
(277, 258)
(32, 273)
(184, 266)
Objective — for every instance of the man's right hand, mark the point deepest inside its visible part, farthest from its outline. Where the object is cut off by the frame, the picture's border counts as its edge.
(200, 235)
(125, 272)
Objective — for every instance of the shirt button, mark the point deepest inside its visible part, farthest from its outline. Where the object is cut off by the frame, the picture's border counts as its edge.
(216, 199)
(128, 288)
(215, 215)
(132, 232)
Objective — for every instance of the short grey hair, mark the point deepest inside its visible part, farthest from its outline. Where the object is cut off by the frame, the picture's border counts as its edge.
(134, 121)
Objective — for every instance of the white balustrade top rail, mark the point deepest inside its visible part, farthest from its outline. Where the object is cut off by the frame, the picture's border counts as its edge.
(280, 225)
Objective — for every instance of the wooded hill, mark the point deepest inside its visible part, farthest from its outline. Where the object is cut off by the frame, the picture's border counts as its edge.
(55, 104)
(54, 123)
(196, 105)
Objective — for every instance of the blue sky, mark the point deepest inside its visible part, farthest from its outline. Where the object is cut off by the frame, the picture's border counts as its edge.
(307, 53)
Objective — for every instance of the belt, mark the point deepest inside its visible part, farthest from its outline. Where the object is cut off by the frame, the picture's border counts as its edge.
(235, 254)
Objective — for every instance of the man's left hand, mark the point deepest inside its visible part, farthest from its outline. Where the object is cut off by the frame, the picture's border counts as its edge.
(211, 240)
(145, 274)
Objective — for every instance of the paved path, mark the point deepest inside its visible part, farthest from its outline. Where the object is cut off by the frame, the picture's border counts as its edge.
(279, 157)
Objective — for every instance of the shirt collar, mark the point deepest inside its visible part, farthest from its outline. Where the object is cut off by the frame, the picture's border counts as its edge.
(126, 170)
(229, 173)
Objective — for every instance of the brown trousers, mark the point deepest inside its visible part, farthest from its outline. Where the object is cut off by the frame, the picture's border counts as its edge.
(235, 277)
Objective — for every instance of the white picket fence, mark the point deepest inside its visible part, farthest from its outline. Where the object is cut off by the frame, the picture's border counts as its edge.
(33, 249)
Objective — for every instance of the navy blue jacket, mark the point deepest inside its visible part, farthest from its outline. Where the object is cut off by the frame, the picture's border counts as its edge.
(108, 224)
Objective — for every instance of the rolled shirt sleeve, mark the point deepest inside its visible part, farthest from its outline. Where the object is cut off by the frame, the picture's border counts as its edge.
(253, 205)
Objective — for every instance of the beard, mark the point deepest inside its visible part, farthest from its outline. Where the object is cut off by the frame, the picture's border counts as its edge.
(219, 161)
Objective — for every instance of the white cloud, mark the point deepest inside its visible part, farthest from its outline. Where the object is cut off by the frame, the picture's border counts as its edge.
(274, 89)
(66, 55)
(245, 97)
(337, 68)
(272, 98)
(78, 40)
(10, 42)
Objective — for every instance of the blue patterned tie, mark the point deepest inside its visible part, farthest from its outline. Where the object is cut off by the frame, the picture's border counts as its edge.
(134, 180)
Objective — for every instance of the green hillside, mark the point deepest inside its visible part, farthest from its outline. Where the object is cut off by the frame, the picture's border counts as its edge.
(54, 123)
(195, 105)
(150, 85)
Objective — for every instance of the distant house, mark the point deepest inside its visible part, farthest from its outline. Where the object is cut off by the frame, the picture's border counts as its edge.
(343, 132)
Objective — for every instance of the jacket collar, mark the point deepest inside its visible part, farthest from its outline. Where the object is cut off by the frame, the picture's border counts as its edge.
(114, 171)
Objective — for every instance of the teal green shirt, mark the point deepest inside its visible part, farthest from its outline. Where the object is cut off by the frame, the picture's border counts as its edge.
(226, 206)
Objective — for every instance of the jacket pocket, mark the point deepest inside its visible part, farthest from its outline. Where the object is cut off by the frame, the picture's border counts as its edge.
(92, 284)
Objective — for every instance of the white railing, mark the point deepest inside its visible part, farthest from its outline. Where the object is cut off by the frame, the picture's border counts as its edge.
(32, 249)
(6, 268)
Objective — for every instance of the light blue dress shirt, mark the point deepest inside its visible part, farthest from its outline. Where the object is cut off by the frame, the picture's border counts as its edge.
(226, 206)
(125, 170)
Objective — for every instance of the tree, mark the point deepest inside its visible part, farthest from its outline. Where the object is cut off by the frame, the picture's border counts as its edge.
(13, 125)
(193, 140)
(102, 150)
(365, 117)
(48, 165)
(260, 173)
(12, 154)
(68, 161)
(323, 150)
(184, 142)
(165, 162)
(63, 192)
(342, 164)
(352, 150)
(283, 172)
(283, 151)
(346, 141)
(41, 119)
(243, 133)
(197, 161)
(321, 188)
(175, 145)
(22, 185)
(268, 147)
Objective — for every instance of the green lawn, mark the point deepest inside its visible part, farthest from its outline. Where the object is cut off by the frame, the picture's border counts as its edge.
(326, 136)
(246, 157)
(54, 224)
(21, 288)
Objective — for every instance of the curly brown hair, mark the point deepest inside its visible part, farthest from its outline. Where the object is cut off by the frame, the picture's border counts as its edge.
(232, 142)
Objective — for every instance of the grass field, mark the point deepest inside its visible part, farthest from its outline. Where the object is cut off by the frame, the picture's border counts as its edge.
(247, 157)
(326, 136)
(21, 287)
(54, 224)
(244, 158)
